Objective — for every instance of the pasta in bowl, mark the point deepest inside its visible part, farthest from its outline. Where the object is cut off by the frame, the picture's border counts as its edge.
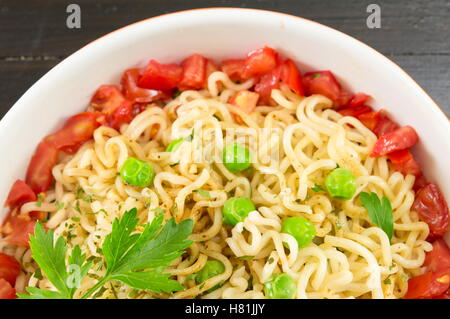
(244, 179)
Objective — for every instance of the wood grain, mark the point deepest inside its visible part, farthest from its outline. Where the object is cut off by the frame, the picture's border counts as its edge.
(415, 34)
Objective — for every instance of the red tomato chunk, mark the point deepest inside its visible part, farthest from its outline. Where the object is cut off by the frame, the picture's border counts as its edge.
(399, 139)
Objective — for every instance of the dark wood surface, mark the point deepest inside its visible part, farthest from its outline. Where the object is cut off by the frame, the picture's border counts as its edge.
(34, 37)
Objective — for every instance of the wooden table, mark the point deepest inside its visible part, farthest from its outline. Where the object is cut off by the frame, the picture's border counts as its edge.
(34, 37)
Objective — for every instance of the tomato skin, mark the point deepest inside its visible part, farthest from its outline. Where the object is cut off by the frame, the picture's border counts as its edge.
(132, 92)
(439, 257)
(291, 76)
(9, 268)
(6, 290)
(77, 130)
(39, 173)
(445, 295)
(266, 84)
(399, 139)
(378, 122)
(404, 162)
(358, 99)
(428, 285)
(159, 76)
(20, 194)
(107, 98)
(194, 72)
(325, 83)
(355, 111)
(432, 209)
(17, 229)
(234, 68)
(259, 62)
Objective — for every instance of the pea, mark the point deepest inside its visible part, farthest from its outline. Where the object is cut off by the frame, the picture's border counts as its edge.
(211, 269)
(300, 228)
(236, 209)
(137, 172)
(174, 145)
(281, 286)
(340, 183)
(236, 157)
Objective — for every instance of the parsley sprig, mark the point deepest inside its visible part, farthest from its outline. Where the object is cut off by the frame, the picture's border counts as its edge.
(380, 212)
(135, 259)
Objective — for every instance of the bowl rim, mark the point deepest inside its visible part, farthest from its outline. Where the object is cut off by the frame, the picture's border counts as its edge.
(13, 109)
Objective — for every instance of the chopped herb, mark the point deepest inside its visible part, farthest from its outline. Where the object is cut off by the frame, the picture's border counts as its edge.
(335, 211)
(88, 198)
(40, 198)
(80, 192)
(247, 257)
(316, 75)
(380, 212)
(59, 206)
(405, 277)
(392, 266)
(387, 281)
(270, 260)
(203, 193)
(317, 188)
(175, 164)
(76, 219)
(158, 211)
(190, 137)
(338, 224)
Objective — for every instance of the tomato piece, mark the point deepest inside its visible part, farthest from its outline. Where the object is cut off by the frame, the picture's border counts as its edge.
(134, 93)
(399, 139)
(355, 111)
(17, 229)
(159, 76)
(77, 130)
(259, 62)
(266, 84)
(404, 162)
(445, 295)
(123, 114)
(194, 72)
(324, 83)
(378, 122)
(6, 290)
(9, 268)
(107, 98)
(432, 209)
(439, 257)
(358, 99)
(428, 285)
(291, 76)
(420, 182)
(39, 173)
(234, 68)
(20, 194)
(245, 100)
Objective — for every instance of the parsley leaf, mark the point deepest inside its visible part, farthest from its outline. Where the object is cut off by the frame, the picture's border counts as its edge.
(317, 188)
(51, 258)
(380, 212)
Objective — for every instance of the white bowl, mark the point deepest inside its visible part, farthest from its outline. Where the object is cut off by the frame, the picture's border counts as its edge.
(221, 33)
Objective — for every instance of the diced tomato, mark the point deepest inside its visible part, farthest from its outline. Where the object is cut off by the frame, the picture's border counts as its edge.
(17, 228)
(290, 75)
(260, 62)
(159, 76)
(245, 100)
(211, 67)
(39, 173)
(432, 209)
(445, 295)
(378, 122)
(355, 111)
(107, 98)
(20, 194)
(324, 82)
(9, 268)
(428, 285)
(420, 182)
(194, 72)
(266, 84)
(123, 114)
(400, 139)
(6, 290)
(134, 93)
(234, 68)
(439, 257)
(404, 162)
(77, 130)
(358, 99)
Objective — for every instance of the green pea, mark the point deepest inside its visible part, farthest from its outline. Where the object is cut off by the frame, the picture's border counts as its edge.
(236, 157)
(174, 145)
(137, 172)
(281, 286)
(340, 183)
(300, 228)
(236, 209)
(211, 269)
